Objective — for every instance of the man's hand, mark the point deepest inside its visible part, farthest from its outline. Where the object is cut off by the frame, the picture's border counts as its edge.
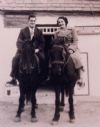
(36, 50)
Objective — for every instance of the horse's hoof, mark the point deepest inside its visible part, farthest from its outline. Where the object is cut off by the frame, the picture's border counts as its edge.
(34, 119)
(17, 119)
(54, 122)
(72, 120)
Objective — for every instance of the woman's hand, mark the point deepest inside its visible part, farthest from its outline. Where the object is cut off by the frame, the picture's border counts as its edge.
(70, 51)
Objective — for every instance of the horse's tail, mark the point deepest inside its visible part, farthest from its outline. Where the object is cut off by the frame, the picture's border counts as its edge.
(67, 92)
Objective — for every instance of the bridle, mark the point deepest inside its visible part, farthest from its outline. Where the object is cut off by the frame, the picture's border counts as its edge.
(65, 59)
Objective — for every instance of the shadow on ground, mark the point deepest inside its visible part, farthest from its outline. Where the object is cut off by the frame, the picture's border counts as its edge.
(87, 115)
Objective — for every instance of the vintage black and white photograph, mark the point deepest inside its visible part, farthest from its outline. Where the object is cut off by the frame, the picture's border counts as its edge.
(49, 63)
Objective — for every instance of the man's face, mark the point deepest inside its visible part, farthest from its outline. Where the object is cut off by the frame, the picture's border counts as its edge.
(31, 22)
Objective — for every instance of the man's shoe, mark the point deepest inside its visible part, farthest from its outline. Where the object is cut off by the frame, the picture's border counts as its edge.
(12, 82)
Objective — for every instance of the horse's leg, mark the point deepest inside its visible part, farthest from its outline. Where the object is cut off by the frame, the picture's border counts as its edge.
(21, 103)
(71, 105)
(36, 105)
(33, 101)
(57, 104)
(62, 97)
(62, 100)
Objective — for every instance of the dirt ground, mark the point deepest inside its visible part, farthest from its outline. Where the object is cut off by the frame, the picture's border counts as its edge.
(87, 113)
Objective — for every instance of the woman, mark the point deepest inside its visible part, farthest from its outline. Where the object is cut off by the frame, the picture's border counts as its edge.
(70, 40)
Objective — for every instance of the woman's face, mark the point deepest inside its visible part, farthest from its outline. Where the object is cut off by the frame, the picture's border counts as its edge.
(61, 23)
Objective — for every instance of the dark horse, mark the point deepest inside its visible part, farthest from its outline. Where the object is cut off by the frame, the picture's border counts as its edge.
(63, 76)
(27, 76)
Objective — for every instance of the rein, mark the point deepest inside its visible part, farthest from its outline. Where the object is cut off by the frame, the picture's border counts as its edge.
(57, 62)
(65, 62)
(58, 46)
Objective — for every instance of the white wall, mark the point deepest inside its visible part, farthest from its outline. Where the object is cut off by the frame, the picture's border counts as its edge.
(91, 44)
(87, 43)
(73, 20)
(8, 39)
(7, 51)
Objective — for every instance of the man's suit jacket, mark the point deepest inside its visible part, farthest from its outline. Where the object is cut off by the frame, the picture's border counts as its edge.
(38, 39)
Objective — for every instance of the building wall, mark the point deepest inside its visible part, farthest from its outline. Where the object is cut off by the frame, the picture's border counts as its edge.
(7, 50)
(87, 43)
(91, 44)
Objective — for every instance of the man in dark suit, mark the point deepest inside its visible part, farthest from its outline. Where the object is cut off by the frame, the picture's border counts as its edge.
(33, 34)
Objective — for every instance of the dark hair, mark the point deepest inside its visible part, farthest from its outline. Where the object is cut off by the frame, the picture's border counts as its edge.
(64, 18)
(31, 16)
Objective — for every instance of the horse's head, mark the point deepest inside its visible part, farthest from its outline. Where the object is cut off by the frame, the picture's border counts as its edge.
(57, 59)
(27, 59)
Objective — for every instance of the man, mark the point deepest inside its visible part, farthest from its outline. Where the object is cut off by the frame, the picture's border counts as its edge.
(29, 33)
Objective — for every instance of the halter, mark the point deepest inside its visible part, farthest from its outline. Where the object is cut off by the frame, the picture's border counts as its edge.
(32, 66)
(30, 62)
